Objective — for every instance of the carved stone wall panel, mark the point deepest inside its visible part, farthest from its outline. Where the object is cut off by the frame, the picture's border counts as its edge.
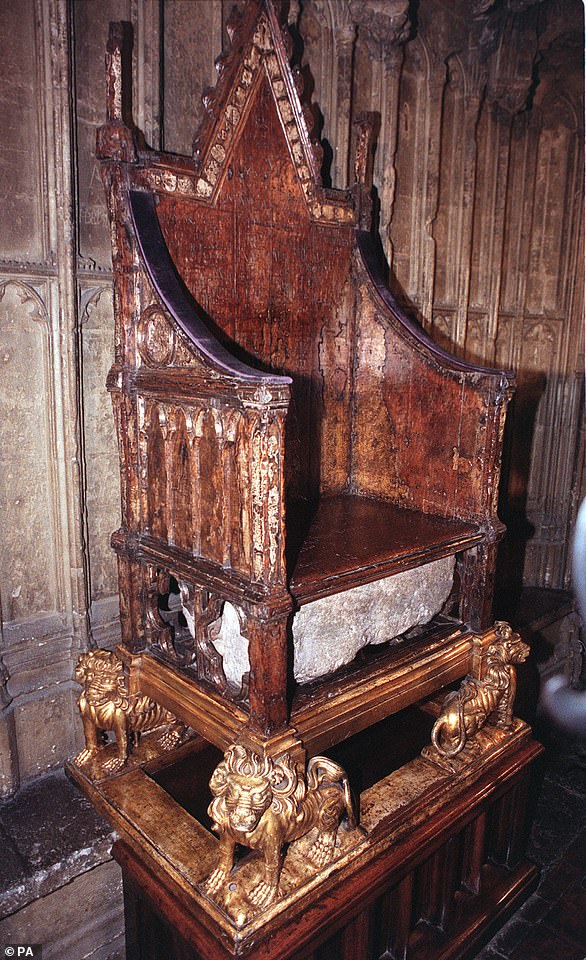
(516, 240)
(421, 129)
(557, 166)
(46, 730)
(43, 601)
(29, 578)
(22, 227)
(146, 17)
(493, 136)
(452, 228)
(320, 71)
(552, 469)
(101, 454)
(192, 38)
(329, 35)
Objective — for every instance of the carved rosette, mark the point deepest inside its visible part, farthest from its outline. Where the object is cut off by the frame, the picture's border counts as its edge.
(480, 712)
(156, 337)
(264, 803)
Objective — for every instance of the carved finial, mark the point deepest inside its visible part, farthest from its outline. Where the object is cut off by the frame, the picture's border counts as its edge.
(115, 139)
(366, 127)
(365, 130)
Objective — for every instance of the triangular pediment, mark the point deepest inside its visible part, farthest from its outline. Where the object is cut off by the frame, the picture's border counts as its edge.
(260, 49)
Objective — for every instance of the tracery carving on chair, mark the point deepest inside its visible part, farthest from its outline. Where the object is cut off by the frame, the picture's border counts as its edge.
(159, 341)
(202, 611)
(185, 631)
(159, 632)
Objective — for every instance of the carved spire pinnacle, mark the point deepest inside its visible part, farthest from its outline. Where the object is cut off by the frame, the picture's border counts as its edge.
(115, 139)
(259, 44)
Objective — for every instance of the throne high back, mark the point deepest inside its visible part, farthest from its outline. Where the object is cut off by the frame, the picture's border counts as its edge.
(302, 469)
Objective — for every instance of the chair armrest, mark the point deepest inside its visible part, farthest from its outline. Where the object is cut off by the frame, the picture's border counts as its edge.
(181, 306)
(208, 466)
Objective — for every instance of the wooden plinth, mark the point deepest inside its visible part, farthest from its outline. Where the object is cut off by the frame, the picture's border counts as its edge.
(441, 867)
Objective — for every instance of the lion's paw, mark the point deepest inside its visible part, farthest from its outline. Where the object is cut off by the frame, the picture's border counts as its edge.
(263, 894)
(172, 737)
(321, 851)
(215, 881)
(113, 765)
(84, 756)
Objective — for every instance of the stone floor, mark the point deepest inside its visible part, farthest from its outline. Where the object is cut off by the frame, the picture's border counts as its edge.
(58, 885)
(551, 925)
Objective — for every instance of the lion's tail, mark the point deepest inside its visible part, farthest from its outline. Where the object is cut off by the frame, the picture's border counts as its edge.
(320, 769)
(444, 746)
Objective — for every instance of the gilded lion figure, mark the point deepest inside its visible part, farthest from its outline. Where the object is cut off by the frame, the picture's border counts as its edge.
(263, 804)
(105, 704)
(477, 701)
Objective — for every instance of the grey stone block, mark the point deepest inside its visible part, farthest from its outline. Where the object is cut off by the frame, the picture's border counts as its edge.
(329, 632)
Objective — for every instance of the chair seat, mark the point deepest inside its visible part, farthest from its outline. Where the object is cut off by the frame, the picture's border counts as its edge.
(352, 540)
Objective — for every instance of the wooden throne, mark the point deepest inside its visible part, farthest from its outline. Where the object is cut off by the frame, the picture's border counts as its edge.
(307, 479)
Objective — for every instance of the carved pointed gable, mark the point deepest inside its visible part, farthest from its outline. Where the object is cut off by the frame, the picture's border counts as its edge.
(257, 61)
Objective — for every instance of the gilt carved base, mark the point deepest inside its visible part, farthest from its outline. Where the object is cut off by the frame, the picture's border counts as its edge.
(442, 863)
(295, 864)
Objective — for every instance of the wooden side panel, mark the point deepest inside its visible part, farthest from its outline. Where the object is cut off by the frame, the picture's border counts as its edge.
(425, 436)
(210, 484)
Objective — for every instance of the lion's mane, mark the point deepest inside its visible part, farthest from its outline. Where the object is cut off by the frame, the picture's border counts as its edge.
(104, 692)
(287, 788)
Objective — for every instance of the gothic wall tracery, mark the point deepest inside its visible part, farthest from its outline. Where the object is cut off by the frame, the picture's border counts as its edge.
(479, 174)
